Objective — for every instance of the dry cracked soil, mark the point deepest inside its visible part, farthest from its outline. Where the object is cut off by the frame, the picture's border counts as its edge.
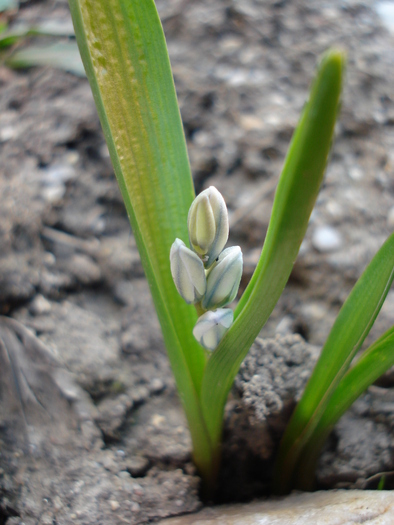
(91, 429)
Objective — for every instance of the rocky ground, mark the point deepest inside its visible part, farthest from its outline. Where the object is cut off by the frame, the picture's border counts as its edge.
(99, 436)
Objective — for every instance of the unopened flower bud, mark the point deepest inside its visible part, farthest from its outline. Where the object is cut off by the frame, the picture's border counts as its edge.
(188, 272)
(211, 327)
(223, 279)
(208, 225)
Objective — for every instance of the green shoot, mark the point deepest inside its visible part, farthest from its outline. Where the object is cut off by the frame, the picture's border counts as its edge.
(328, 393)
(381, 483)
(374, 362)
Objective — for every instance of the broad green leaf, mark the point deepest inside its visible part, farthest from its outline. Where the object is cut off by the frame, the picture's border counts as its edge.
(294, 200)
(124, 53)
(374, 362)
(63, 55)
(352, 325)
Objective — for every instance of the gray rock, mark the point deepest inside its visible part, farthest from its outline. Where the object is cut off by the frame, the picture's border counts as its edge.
(82, 344)
(322, 508)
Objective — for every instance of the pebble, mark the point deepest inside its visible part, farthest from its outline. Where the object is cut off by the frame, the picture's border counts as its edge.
(356, 173)
(124, 474)
(137, 466)
(138, 490)
(58, 174)
(53, 194)
(53, 180)
(285, 325)
(326, 239)
(156, 385)
(114, 505)
(39, 305)
(134, 506)
(139, 394)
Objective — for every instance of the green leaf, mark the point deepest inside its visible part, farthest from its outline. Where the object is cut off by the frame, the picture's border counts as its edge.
(124, 53)
(352, 325)
(374, 362)
(294, 200)
(62, 55)
(46, 28)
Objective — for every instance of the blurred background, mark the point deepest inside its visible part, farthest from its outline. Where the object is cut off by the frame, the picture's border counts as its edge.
(242, 71)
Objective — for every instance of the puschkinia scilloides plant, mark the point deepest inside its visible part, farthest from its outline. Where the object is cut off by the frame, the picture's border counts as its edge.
(207, 275)
(125, 57)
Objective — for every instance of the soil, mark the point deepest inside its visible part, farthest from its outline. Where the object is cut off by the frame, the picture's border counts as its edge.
(91, 430)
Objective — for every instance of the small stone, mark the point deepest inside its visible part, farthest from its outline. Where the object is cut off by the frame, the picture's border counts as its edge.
(114, 505)
(137, 466)
(138, 490)
(58, 174)
(124, 474)
(356, 173)
(156, 385)
(158, 420)
(250, 122)
(285, 325)
(39, 305)
(139, 394)
(7, 133)
(53, 194)
(326, 239)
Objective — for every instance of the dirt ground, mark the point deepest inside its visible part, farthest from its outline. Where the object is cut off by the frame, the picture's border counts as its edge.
(97, 435)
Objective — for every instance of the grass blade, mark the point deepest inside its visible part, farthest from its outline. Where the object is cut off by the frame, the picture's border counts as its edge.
(294, 200)
(63, 55)
(125, 57)
(374, 362)
(352, 325)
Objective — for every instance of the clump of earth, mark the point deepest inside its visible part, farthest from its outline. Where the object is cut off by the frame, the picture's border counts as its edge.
(97, 434)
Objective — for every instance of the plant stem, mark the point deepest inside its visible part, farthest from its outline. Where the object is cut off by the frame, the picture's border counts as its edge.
(199, 309)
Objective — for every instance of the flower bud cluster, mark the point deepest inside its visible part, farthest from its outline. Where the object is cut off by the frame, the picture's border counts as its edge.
(207, 275)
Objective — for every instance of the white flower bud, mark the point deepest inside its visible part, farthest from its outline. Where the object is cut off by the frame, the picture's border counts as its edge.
(188, 272)
(223, 279)
(208, 225)
(211, 327)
